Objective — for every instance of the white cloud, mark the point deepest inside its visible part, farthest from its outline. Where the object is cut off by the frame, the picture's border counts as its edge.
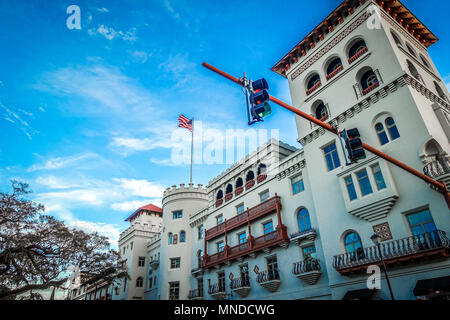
(142, 188)
(103, 87)
(41, 109)
(140, 56)
(131, 206)
(104, 10)
(13, 117)
(61, 162)
(53, 182)
(110, 34)
(111, 231)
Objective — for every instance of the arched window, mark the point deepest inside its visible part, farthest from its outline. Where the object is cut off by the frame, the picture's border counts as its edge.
(229, 189)
(396, 38)
(303, 220)
(250, 176)
(170, 238)
(334, 65)
(440, 92)
(315, 79)
(182, 236)
(321, 111)
(356, 48)
(413, 71)
(425, 61)
(139, 282)
(392, 128)
(219, 194)
(411, 50)
(239, 183)
(352, 242)
(262, 169)
(368, 79)
(382, 135)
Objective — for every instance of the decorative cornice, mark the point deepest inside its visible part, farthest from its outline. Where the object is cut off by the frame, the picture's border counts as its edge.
(376, 96)
(302, 68)
(291, 170)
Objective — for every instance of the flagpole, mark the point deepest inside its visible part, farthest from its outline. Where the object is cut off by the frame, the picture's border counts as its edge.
(192, 148)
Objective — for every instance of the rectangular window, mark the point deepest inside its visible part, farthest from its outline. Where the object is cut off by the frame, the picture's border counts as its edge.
(242, 238)
(200, 232)
(264, 196)
(177, 215)
(141, 262)
(332, 157)
(350, 188)
(240, 208)
(150, 283)
(219, 219)
(364, 182)
(297, 184)
(378, 175)
(421, 222)
(221, 280)
(268, 227)
(220, 246)
(272, 267)
(175, 263)
(174, 290)
(309, 252)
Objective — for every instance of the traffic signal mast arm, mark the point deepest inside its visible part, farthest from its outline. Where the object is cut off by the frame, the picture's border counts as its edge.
(439, 185)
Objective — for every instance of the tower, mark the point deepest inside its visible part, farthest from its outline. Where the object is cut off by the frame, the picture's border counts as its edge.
(145, 225)
(367, 66)
(179, 203)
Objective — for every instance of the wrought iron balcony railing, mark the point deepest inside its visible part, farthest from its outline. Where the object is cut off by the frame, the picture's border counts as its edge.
(306, 266)
(278, 237)
(261, 209)
(195, 294)
(415, 247)
(268, 275)
(238, 283)
(437, 168)
(216, 288)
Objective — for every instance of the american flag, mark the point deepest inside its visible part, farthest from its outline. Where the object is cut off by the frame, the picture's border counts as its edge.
(185, 123)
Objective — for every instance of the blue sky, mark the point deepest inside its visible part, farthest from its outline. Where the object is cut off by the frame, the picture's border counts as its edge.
(86, 116)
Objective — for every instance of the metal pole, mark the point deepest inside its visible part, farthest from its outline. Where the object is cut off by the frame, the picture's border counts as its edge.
(192, 148)
(442, 188)
(385, 272)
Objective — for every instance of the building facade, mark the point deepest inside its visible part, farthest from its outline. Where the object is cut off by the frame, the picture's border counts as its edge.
(287, 223)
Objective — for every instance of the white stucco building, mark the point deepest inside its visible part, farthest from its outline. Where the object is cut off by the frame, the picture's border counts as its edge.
(288, 223)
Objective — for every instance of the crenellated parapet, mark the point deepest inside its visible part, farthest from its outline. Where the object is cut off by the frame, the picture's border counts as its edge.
(183, 192)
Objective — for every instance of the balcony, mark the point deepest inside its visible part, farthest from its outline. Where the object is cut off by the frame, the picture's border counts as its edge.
(241, 286)
(398, 252)
(308, 270)
(228, 196)
(314, 88)
(249, 184)
(196, 294)
(269, 280)
(261, 178)
(219, 202)
(154, 264)
(304, 236)
(217, 291)
(197, 272)
(335, 72)
(371, 88)
(439, 170)
(251, 247)
(238, 191)
(358, 55)
(260, 210)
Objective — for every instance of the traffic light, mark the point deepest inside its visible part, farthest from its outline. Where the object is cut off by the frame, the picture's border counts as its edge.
(259, 98)
(354, 145)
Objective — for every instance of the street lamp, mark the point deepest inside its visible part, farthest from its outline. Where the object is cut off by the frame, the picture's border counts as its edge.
(376, 240)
